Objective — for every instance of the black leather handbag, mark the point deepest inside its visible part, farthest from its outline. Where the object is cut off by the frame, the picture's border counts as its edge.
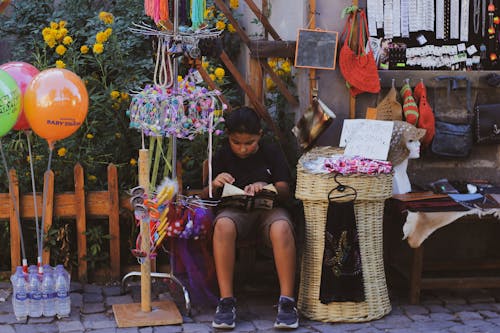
(487, 124)
(453, 109)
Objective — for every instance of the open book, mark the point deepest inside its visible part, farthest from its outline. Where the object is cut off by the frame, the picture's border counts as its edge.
(235, 197)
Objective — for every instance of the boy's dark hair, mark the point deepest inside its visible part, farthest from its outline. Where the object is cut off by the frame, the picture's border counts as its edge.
(243, 120)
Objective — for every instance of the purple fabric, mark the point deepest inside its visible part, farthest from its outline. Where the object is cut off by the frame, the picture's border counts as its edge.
(194, 266)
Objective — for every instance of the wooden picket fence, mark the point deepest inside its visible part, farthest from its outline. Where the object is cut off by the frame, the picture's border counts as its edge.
(77, 205)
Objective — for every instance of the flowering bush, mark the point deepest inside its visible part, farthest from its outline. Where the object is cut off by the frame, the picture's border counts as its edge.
(94, 42)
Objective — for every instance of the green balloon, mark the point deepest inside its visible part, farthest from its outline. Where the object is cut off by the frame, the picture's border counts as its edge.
(10, 102)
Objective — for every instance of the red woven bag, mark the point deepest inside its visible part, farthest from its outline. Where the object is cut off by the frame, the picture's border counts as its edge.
(358, 69)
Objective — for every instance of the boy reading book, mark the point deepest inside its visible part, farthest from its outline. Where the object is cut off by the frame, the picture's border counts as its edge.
(246, 163)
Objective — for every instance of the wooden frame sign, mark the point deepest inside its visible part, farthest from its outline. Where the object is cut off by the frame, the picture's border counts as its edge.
(316, 49)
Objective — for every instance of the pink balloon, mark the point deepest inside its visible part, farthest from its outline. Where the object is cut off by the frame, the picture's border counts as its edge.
(23, 73)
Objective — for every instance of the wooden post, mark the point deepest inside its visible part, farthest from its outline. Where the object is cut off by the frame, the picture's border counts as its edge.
(352, 99)
(48, 178)
(81, 222)
(145, 236)
(114, 221)
(312, 72)
(15, 240)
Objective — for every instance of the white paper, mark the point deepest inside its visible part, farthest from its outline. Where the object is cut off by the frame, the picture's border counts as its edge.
(366, 138)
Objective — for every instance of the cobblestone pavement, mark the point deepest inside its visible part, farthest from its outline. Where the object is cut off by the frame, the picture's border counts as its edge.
(442, 311)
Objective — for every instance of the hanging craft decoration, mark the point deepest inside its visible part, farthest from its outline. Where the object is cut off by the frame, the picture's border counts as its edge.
(184, 113)
(169, 215)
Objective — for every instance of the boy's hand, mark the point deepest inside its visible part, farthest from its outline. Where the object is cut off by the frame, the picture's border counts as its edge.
(251, 189)
(222, 178)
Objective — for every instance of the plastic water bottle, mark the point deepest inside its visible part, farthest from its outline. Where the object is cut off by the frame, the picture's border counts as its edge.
(35, 295)
(20, 301)
(48, 293)
(63, 302)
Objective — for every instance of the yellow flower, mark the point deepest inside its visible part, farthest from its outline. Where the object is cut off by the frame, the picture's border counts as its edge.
(179, 78)
(106, 17)
(286, 66)
(209, 14)
(108, 32)
(50, 41)
(230, 28)
(92, 178)
(115, 106)
(60, 49)
(218, 113)
(270, 85)
(62, 24)
(272, 62)
(60, 64)
(38, 157)
(90, 136)
(212, 77)
(124, 96)
(133, 161)
(84, 49)
(46, 32)
(204, 64)
(219, 72)
(62, 151)
(114, 94)
(67, 40)
(54, 25)
(101, 37)
(98, 48)
(61, 33)
(220, 25)
(234, 4)
(118, 135)
(28, 159)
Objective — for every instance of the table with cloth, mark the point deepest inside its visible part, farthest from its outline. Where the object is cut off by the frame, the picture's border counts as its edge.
(421, 214)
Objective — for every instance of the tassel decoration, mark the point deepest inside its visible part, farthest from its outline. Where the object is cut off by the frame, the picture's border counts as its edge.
(198, 8)
(156, 9)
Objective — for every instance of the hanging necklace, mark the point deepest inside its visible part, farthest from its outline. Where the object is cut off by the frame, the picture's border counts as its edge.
(476, 14)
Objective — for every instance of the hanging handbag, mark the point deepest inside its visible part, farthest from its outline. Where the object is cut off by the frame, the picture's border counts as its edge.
(313, 122)
(487, 124)
(453, 111)
(358, 68)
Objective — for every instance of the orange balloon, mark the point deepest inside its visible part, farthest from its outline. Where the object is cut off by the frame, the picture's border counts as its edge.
(56, 103)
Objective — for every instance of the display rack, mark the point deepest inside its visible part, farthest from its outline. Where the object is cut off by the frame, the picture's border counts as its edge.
(128, 315)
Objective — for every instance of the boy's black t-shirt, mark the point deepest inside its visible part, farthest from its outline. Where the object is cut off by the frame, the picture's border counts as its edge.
(268, 164)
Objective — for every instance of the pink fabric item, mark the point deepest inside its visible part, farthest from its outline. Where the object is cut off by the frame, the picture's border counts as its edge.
(355, 165)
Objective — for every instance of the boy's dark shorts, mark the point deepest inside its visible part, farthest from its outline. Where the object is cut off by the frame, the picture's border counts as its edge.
(259, 221)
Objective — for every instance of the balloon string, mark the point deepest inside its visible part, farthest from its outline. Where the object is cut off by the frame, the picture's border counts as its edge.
(33, 187)
(13, 200)
(45, 189)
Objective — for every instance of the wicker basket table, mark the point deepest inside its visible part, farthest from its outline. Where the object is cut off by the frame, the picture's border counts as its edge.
(372, 191)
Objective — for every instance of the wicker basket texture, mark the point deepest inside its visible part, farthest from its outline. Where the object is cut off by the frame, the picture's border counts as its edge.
(313, 189)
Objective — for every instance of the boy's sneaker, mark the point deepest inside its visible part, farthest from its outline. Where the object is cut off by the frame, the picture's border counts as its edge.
(287, 314)
(225, 315)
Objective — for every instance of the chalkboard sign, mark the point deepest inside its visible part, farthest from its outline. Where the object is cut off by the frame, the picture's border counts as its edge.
(316, 49)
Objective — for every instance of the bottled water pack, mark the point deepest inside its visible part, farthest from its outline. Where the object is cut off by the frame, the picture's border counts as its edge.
(40, 293)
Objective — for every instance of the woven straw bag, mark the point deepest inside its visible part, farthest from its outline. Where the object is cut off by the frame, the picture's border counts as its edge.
(358, 68)
(372, 191)
(389, 108)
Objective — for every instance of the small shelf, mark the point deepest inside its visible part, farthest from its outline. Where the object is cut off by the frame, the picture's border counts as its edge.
(476, 77)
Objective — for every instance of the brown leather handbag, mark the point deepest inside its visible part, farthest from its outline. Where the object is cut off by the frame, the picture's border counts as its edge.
(313, 122)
